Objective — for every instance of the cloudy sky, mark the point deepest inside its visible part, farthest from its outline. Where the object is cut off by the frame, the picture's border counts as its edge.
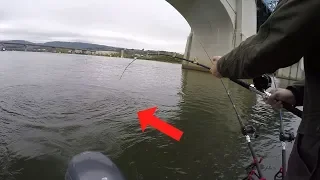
(149, 24)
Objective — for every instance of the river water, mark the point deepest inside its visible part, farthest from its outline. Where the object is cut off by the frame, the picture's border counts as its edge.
(54, 106)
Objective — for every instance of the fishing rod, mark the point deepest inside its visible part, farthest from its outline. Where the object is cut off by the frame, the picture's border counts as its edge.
(261, 84)
(283, 137)
(244, 84)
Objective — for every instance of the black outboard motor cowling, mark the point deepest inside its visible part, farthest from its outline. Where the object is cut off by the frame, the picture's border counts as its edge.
(92, 166)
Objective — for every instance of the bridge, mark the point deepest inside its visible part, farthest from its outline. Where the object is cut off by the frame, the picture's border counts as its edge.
(4, 44)
(217, 26)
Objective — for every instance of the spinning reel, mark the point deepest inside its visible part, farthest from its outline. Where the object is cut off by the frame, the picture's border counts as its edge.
(262, 83)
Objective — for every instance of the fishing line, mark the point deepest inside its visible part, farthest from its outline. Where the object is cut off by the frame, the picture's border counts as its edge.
(126, 68)
(246, 130)
(225, 88)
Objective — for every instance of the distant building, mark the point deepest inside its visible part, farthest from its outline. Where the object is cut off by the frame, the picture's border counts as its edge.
(78, 51)
(105, 53)
(88, 52)
(41, 50)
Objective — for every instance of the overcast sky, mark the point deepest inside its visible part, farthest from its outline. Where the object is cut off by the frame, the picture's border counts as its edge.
(149, 24)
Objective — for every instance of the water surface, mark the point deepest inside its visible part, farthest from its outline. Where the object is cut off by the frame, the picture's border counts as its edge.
(54, 106)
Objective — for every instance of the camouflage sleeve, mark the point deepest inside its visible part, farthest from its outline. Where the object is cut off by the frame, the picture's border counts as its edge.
(297, 89)
(281, 41)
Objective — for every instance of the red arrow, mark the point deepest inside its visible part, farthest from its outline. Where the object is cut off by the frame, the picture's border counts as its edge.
(147, 117)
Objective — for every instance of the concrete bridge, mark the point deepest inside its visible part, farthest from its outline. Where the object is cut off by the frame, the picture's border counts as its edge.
(217, 26)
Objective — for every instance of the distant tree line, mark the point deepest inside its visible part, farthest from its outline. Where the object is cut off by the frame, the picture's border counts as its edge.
(163, 58)
(160, 57)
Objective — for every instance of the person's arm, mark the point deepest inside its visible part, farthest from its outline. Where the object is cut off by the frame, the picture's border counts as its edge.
(297, 89)
(281, 41)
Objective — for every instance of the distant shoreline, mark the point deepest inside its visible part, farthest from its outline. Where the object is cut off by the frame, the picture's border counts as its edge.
(155, 58)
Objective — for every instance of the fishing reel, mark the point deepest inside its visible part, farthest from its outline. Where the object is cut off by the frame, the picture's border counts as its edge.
(262, 83)
(287, 136)
(250, 130)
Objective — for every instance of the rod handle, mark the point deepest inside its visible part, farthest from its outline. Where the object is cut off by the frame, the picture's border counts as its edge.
(286, 106)
(292, 109)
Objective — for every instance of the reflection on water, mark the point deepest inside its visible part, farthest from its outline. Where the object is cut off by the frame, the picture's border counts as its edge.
(54, 106)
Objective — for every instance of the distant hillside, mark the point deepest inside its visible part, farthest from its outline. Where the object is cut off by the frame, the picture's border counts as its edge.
(19, 41)
(73, 45)
(80, 45)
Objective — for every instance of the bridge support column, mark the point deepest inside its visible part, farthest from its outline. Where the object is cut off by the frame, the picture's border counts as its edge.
(185, 64)
(246, 20)
(217, 27)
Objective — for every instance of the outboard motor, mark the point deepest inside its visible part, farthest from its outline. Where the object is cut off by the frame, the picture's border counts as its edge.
(92, 166)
